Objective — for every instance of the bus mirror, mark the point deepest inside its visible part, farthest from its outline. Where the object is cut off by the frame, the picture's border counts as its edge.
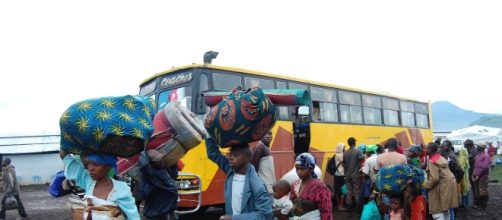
(304, 110)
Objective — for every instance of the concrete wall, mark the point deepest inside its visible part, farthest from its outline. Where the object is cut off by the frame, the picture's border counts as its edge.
(36, 168)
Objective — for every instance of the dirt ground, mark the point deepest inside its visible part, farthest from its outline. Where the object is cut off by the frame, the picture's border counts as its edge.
(40, 206)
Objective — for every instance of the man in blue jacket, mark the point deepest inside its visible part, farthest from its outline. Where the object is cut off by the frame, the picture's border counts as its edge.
(246, 196)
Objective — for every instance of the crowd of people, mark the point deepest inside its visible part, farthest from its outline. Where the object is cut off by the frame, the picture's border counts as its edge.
(453, 180)
(450, 178)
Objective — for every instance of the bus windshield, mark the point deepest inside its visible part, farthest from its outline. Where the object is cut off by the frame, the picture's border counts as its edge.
(182, 94)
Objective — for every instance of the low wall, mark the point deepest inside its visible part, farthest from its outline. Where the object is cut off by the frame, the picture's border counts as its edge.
(35, 169)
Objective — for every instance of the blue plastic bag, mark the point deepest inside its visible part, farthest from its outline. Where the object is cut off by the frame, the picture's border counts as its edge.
(370, 211)
(56, 186)
(344, 189)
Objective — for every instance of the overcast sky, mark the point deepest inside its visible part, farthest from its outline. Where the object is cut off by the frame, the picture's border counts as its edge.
(55, 53)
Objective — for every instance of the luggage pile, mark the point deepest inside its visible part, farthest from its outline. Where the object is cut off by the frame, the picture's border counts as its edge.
(176, 131)
(125, 126)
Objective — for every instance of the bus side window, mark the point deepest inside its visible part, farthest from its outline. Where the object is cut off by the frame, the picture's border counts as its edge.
(223, 81)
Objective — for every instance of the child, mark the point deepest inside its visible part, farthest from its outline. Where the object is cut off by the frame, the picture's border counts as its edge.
(396, 206)
(282, 204)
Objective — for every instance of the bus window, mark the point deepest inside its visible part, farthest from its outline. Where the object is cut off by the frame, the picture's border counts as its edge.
(356, 114)
(372, 101)
(293, 85)
(148, 88)
(283, 113)
(407, 113)
(324, 104)
(251, 82)
(281, 85)
(328, 112)
(421, 115)
(182, 94)
(372, 116)
(422, 121)
(203, 83)
(223, 81)
(344, 113)
(407, 106)
(390, 103)
(390, 117)
(350, 98)
(352, 112)
(421, 108)
(408, 119)
(372, 109)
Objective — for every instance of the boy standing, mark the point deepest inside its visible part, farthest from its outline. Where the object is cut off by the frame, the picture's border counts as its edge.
(246, 196)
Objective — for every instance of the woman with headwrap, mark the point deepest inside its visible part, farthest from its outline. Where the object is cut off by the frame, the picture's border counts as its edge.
(105, 198)
(339, 177)
(463, 160)
(310, 196)
(414, 153)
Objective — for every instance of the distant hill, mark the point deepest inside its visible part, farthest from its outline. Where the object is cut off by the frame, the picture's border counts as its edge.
(447, 116)
(489, 121)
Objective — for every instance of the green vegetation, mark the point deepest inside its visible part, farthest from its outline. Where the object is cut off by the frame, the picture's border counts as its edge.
(496, 173)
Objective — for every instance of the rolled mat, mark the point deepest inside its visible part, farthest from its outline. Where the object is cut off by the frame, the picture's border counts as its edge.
(111, 125)
(287, 97)
(242, 117)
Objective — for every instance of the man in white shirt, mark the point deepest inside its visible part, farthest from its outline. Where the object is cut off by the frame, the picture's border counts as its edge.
(371, 162)
(246, 196)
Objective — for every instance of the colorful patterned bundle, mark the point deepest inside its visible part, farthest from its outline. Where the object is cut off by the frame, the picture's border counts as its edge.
(111, 125)
(393, 179)
(242, 117)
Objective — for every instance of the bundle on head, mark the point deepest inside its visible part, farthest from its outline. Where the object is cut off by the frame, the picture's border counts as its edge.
(111, 125)
(242, 117)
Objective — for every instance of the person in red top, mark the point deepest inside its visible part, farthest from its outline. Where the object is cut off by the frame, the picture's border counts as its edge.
(311, 197)
(491, 152)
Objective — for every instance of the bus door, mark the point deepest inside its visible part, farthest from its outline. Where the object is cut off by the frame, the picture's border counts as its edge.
(301, 129)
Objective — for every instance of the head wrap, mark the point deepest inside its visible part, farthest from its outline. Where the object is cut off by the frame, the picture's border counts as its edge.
(362, 148)
(306, 160)
(104, 159)
(340, 147)
(371, 148)
(416, 149)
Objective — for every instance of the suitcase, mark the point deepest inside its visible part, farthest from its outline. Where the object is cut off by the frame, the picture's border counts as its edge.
(176, 131)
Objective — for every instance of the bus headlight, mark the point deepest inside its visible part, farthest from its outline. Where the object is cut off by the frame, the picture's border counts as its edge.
(186, 183)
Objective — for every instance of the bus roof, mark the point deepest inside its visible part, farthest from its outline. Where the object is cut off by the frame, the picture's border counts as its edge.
(266, 74)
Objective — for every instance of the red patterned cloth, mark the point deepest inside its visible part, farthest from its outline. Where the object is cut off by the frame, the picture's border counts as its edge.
(317, 192)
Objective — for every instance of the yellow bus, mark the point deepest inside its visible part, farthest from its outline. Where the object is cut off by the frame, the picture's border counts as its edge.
(334, 114)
